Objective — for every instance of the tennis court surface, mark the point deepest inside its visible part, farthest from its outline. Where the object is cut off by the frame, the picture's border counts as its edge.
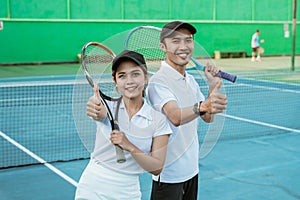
(256, 156)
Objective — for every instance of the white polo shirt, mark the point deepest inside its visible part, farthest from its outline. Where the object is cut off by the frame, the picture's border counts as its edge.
(140, 130)
(182, 154)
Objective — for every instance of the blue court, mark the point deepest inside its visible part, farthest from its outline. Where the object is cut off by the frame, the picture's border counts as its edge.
(253, 153)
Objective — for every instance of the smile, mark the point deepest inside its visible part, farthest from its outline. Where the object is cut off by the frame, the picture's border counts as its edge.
(182, 55)
(131, 88)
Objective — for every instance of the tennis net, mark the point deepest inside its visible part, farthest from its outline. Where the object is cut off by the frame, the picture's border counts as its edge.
(36, 114)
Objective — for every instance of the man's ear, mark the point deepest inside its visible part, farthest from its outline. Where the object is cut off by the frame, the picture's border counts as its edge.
(162, 46)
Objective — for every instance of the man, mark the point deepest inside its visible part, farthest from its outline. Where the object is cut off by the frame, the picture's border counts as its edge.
(255, 44)
(175, 93)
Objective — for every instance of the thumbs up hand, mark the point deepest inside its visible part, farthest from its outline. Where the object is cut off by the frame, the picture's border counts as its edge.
(95, 108)
(216, 102)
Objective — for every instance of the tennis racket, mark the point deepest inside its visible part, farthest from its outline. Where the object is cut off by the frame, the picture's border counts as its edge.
(95, 58)
(149, 37)
(146, 40)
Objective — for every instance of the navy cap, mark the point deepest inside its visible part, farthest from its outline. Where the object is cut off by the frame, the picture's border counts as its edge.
(171, 27)
(128, 55)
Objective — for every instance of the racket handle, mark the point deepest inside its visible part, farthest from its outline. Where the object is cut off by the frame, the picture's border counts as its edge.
(119, 151)
(120, 154)
(224, 75)
(229, 77)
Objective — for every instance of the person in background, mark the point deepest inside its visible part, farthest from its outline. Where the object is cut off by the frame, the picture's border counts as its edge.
(143, 136)
(176, 94)
(255, 44)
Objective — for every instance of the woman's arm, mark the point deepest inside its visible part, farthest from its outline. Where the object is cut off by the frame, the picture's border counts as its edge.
(152, 163)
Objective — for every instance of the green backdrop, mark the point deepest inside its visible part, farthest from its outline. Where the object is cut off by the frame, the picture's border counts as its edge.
(55, 31)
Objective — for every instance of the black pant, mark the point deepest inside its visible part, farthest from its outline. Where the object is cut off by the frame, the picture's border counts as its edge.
(187, 190)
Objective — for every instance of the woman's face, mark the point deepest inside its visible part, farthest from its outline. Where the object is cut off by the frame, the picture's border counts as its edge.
(130, 80)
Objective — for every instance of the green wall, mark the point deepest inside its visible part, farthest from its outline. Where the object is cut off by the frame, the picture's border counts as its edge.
(55, 31)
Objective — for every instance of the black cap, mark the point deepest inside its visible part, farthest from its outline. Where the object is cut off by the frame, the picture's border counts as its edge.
(128, 55)
(171, 27)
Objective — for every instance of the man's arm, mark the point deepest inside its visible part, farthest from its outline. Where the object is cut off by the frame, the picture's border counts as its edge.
(215, 103)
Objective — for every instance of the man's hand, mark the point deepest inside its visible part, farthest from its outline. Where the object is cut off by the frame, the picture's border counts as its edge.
(216, 102)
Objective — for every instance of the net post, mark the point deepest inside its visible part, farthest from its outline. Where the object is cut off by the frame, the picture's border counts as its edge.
(294, 36)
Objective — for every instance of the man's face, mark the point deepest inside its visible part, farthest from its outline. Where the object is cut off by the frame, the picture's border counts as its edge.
(179, 47)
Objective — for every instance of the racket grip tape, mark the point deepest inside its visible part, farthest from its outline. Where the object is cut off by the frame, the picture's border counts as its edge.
(229, 77)
(119, 151)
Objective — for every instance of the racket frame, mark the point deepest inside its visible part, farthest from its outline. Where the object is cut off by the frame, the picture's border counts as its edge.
(114, 124)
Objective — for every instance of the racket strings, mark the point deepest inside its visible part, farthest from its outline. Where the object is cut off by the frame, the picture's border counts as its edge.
(143, 37)
(97, 60)
(146, 42)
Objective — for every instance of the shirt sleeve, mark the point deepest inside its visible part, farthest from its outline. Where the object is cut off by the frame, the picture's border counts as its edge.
(159, 95)
(162, 126)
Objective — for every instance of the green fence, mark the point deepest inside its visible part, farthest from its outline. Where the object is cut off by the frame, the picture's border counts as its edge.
(55, 31)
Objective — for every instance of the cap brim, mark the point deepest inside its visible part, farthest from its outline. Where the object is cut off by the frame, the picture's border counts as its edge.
(186, 26)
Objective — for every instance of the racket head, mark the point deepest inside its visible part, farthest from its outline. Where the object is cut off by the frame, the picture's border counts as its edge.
(95, 57)
(96, 60)
(146, 40)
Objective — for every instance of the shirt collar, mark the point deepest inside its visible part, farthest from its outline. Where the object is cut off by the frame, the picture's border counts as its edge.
(171, 71)
(143, 112)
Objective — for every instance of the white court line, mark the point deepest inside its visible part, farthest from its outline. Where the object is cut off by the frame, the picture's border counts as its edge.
(42, 161)
(38, 83)
(270, 88)
(261, 123)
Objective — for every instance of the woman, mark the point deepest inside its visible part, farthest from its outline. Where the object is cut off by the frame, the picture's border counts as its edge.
(143, 136)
